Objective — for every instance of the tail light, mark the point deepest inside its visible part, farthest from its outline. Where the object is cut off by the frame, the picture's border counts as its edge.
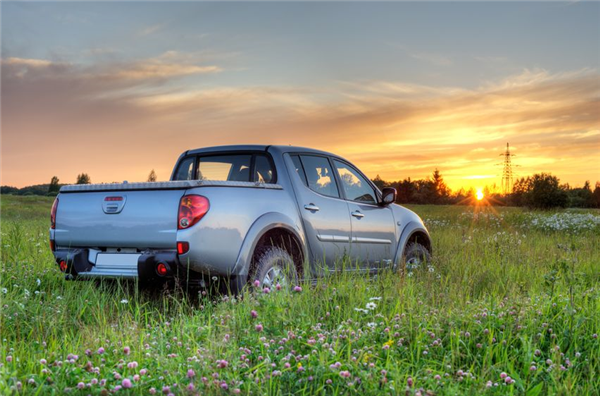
(53, 214)
(161, 269)
(63, 265)
(183, 247)
(192, 209)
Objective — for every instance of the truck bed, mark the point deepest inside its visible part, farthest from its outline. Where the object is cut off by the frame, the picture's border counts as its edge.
(145, 217)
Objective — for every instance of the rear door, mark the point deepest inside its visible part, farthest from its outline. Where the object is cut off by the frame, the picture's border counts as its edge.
(373, 226)
(324, 213)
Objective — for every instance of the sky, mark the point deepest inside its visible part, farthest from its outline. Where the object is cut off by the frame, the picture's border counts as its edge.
(400, 89)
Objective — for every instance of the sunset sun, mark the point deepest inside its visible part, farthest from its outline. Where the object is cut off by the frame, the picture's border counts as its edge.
(479, 195)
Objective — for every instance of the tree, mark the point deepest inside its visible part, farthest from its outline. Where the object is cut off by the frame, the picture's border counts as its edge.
(152, 176)
(53, 187)
(546, 192)
(83, 178)
(596, 196)
(440, 189)
(379, 182)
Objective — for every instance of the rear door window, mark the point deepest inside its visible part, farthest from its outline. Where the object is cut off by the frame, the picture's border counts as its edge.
(319, 175)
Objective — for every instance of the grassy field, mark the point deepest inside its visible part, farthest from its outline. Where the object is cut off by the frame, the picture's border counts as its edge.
(510, 305)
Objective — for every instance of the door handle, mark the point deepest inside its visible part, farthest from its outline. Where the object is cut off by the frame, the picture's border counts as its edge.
(312, 207)
(357, 214)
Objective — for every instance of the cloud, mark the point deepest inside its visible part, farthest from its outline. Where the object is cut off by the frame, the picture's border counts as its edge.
(392, 128)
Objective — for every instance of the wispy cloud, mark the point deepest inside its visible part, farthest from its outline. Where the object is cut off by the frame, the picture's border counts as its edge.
(392, 128)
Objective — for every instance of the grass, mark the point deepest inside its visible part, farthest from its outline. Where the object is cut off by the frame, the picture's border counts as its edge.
(509, 294)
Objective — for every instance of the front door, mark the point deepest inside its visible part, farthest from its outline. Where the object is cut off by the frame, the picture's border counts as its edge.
(373, 228)
(324, 213)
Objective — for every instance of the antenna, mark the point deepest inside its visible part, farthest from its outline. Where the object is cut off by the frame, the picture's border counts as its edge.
(507, 173)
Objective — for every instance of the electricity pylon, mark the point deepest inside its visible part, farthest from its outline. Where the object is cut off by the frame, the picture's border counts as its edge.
(507, 173)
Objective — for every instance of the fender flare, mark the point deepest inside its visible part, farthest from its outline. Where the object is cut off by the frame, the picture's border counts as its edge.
(260, 227)
(409, 230)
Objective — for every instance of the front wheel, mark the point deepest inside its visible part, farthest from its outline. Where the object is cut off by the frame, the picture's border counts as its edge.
(416, 258)
(273, 266)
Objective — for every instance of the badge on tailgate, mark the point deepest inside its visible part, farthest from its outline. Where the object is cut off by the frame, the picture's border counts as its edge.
(113, 204)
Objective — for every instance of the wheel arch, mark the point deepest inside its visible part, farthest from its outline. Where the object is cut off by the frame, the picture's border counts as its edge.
(413, 232)
(272, 229)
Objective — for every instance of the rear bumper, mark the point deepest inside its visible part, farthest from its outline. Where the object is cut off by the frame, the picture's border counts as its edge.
(84, 263)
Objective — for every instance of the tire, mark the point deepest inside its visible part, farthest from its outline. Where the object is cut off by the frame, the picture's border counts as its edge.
(416, 258)
(272, 266)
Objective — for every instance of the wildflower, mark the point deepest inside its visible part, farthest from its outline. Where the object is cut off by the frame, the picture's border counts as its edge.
(126, 383)
(256, 283)
(9, 358)
(259, 327)
(136, 377)
(371, 306)
(4, 290)
(266, 290)
(190, 387)
(39, 282)
(548, 362)
(100, 351)
(503, 375)
(94, 381)
(372, 325)
(80, 385)
(439, 377)
(532, 368)
(43, 361)
(375, 298)
(124, 301)
(345, 374)
(191, 373)
(409, 382)
(220, 364)
(152, 391)
(278, 286)
(254, 314)
(126, 350)
(297, 289)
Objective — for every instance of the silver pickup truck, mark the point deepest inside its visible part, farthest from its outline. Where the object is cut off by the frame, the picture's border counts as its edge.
(237, 214)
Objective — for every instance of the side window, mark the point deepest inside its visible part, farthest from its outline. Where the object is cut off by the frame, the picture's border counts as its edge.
(299, 169)
(263, 169)
(355, 186)
(185, 171)
(319, 175)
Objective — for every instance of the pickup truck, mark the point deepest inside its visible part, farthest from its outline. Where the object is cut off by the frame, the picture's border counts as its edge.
(263, 215)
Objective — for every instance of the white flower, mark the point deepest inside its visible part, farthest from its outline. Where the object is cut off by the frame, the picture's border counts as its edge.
(39, 282)
(4, 290)
(58, 297)
(124, 301)
(371, 306)
(375, 298)
(372, 325)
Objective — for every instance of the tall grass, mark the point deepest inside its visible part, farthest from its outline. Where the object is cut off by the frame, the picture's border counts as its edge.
(508, 308)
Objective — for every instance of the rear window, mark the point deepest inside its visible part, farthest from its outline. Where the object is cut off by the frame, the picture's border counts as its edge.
(246, 167)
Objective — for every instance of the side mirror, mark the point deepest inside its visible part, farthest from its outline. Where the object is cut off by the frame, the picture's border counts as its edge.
(388, 196)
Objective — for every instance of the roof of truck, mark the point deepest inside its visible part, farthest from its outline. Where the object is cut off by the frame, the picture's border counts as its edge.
(257, 147)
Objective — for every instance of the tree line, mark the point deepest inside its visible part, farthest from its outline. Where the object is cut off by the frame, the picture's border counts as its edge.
(541, 191)
(54, 186)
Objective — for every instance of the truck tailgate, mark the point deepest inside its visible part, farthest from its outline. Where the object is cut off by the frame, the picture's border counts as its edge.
(122, 218)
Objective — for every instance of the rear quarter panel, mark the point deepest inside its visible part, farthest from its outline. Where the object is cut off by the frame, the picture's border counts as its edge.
(216, 241)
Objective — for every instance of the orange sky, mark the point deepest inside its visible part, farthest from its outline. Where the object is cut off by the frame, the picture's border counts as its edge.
(93, 109)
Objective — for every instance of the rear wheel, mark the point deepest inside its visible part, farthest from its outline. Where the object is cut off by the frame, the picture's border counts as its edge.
(273, 266)
(416, 258)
